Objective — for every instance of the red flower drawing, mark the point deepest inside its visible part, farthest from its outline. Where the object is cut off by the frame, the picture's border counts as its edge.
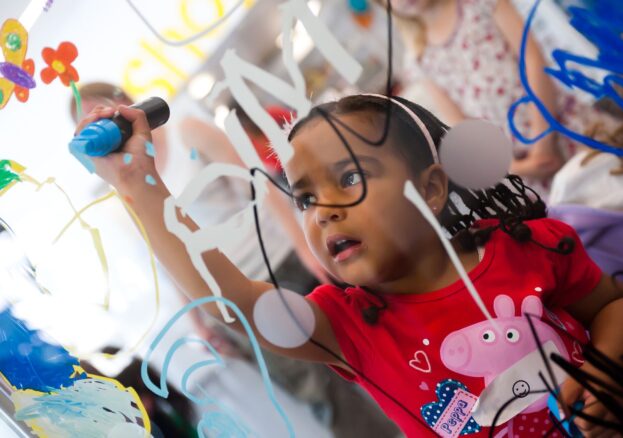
(59, 64)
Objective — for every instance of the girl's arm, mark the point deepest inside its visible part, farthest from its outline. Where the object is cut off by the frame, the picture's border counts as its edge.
(602, 312)
(544, 158)
(147, 200)
(213, 144)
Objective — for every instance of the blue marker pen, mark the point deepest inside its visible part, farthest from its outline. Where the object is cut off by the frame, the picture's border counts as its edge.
(100, 138)
(568, 425)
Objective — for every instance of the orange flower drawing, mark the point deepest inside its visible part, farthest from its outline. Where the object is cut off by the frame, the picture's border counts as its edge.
(22, 93)
(59, 64)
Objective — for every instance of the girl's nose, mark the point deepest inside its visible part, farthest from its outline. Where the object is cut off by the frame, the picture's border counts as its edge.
(326, 215)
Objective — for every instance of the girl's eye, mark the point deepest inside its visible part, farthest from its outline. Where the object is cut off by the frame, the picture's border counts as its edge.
(351, 179)
(304, 201)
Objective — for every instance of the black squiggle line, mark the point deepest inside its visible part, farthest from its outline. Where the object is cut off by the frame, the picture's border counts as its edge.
(595, 358)
(604, 397)
(537, 340)
(332, 122)
(506, 404)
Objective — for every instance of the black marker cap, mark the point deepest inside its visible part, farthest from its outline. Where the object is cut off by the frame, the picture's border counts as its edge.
(156, 110)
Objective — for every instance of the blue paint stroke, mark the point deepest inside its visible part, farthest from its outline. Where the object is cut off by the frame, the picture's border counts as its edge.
(220, 425)
(194, 154)
(84, 159)
(150, 180)
(599, 26)
(163, 391)
(149, 149)
(127, 158)
(89, 409)
(602, 26)
(29, 362)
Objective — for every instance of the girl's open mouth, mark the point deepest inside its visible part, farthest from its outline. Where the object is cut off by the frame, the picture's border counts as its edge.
(342, 248)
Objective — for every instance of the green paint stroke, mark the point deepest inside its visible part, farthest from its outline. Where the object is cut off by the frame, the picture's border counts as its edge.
(13, 42)
(77, 98)
(7, 176)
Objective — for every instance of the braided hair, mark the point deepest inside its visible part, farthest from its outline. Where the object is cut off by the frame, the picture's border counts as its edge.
(511, 202)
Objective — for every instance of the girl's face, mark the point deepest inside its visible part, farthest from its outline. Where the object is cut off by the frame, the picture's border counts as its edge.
(374, 242)
(408, 8)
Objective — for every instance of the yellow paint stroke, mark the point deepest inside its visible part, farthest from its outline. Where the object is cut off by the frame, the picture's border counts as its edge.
(164, 61)
(97, 242)
(16, 168)
(95, 236)
(11, 26)
(134, 394)
(135, 90)
(152, 259)
(152, 262)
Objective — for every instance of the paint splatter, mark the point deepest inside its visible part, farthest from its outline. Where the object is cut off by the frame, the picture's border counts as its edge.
(29, 362)
(7, 175)
(194, 154)
(127, 158)
(89, 408)
(53, 394)
(219, 424)
(149, 149)
(150, 180)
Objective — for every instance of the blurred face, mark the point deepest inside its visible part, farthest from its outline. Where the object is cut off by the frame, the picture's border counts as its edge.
(91, 102)
(408, 8)
(375, 241)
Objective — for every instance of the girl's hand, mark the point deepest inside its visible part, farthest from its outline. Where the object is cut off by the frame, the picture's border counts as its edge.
(118, 170)
(572, 391)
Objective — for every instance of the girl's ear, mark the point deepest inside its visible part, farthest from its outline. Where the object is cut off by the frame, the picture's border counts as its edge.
(434, 185)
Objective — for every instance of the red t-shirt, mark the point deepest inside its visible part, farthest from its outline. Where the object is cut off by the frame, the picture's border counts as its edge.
(435, 353)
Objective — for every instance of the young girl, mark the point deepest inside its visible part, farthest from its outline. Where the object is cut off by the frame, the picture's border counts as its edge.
(464, 55)
(407, 330)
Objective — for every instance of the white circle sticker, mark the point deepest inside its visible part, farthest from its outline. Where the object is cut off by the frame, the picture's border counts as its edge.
(476, 154)
(285, 319)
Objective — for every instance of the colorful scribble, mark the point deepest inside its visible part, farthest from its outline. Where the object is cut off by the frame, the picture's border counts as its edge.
(53, 395)
(9, 174)
(602, 25)
(12, 172)
(220, 422)
(17, 71)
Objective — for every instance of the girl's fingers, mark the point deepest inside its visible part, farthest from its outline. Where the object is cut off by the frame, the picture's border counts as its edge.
(570, 392)
(137, 117)
(98, 112)
(592, 430)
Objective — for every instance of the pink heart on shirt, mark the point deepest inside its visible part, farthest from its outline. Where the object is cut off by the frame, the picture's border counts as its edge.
(420, 362)
(424, 386)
